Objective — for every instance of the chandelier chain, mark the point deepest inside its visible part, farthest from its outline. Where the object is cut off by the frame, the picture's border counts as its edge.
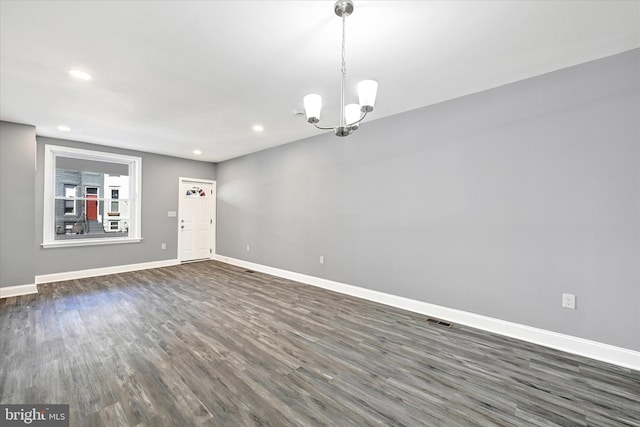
(343, 75)
(344, 62)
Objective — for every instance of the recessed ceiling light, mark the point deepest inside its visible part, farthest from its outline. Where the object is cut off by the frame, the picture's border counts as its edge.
(79, 74)
(258, 128)
(64, 128)
(197, 152)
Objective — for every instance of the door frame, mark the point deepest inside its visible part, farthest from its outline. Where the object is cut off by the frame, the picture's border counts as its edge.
(182, 180)
(97, 202)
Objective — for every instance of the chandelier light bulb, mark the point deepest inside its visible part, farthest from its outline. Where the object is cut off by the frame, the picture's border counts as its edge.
(352, 114)
(312, 107)
(367, 91)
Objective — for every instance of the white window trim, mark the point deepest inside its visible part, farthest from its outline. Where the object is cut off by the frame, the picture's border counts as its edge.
(135, 178)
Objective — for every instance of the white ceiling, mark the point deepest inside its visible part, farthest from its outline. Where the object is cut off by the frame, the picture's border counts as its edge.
(173, 76)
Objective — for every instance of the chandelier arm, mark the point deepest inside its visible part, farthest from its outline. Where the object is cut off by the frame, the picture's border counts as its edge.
(364, 114)
(325, 128)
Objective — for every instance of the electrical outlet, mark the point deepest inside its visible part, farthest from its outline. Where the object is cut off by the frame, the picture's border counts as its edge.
(248, 248)
(569, 301)
(321, 259)
(163, 246)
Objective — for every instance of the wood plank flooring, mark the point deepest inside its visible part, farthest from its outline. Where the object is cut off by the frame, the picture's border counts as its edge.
(208, 344)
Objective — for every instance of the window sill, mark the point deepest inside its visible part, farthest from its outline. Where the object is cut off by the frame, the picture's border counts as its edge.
(91, 242)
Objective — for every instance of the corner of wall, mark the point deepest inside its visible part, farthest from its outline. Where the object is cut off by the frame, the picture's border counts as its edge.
(17, 210)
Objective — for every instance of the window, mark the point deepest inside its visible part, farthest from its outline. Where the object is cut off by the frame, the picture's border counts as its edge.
(69, 199)
(196, 192)
(90, 197)
(114, 205)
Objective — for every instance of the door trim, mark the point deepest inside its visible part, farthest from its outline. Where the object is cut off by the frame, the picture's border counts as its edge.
(97, 202)
(212, 245)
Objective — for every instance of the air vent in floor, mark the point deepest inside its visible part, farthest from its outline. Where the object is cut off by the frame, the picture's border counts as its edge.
(439, 322)
(248, 271)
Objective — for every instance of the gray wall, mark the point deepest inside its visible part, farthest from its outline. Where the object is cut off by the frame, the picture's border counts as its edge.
(17, 178)
(159, 195)
(495, 203)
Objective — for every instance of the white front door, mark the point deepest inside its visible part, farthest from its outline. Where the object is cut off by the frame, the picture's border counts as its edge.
(195, 219)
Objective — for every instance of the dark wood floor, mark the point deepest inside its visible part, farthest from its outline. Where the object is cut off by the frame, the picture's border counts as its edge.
(210, 344)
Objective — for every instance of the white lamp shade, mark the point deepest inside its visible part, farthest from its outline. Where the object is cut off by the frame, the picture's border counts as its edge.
(352, 113)
(312, 106)
(367, 91)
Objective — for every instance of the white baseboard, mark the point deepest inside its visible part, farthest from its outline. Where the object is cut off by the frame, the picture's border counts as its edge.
(15, 291)
(570, 344)
(93, 272)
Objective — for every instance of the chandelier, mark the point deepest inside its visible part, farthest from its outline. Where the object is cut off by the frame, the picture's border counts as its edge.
(352, 114)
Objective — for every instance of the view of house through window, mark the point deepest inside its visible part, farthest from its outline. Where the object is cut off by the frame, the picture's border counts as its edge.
(91, 211)
(93, 196)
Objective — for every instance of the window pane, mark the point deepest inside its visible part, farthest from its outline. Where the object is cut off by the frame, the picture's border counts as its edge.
(69, 190)
(94, 166)
(69, 207)
(90, 219)
(97, 178)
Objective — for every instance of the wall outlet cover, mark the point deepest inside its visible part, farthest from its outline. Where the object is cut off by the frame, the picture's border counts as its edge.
(569, 301)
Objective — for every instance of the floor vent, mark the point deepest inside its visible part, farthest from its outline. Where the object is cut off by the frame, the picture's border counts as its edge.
(439, 322)
(249, 271)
